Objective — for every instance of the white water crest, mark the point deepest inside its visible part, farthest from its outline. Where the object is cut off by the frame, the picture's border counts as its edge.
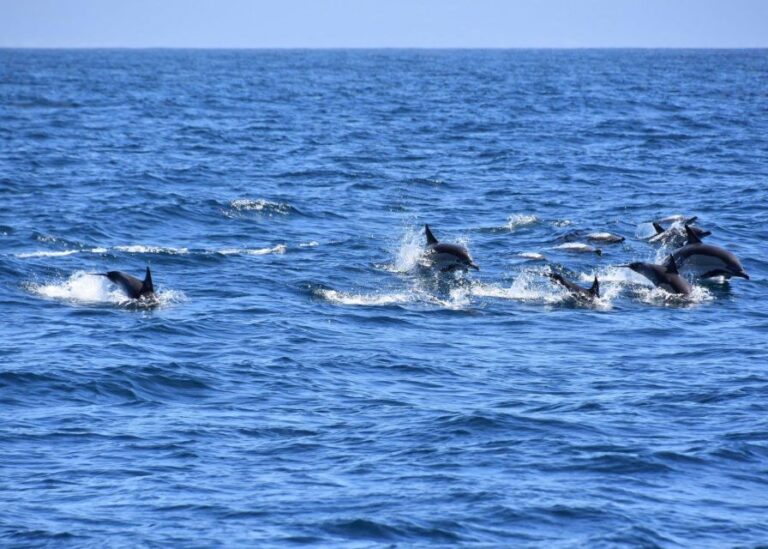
(58, 253)
(277, 249)
(62, 253)
(141, 249)
(260, 205)
(521, 220)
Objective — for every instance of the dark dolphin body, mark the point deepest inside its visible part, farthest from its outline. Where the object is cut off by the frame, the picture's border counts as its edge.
(676, 235)
(708, 261)
(665, 276)
(586, 294)
(132, 286)
(448, 256)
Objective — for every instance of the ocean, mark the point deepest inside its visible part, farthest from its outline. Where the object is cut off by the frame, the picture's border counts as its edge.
(304, 378)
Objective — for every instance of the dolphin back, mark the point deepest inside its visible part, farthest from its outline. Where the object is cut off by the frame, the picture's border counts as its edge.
(431, 240)
(132, 286)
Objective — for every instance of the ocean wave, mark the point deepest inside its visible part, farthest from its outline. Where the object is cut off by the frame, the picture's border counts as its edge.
(262, 206)
(59, 253)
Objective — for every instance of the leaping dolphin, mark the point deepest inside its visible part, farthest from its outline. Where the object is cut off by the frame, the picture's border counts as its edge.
(584, 294)
(675, 235)
(447, 257)
(664, 276)
(706, 260)
(132, 286)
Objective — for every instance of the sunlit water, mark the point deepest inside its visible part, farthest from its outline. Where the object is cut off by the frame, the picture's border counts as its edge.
(304, 376)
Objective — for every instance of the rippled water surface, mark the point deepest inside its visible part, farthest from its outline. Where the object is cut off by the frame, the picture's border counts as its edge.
(305, 378)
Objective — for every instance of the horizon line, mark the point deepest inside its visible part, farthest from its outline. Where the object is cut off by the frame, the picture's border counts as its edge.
(337, 48)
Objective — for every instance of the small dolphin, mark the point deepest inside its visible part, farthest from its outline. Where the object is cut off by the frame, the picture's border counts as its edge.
(447, 256)
(664, 276)
(608, 238)
(132, 286)
(579, 247)
(675, 235)
(585, 294)
(706, 260)
(676, 219)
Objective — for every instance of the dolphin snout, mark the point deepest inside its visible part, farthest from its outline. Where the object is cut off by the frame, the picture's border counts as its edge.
(473, 266)
(742, 274)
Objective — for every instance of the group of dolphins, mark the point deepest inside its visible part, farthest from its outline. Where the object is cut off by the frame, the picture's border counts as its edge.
(708, 261)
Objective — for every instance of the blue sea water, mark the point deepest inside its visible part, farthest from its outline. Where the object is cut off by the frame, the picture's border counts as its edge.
(303, 380)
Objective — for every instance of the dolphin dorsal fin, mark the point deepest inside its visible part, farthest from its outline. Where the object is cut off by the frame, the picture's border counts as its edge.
(431, 240)
(659, 228)
(147, 286)
(595, 289)
(692, 236)
(672, 265)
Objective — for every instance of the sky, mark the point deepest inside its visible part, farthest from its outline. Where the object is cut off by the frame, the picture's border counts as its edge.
(383, 23)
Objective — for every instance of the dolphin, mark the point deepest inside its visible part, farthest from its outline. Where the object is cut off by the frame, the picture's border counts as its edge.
(706, 260)
(580, 293)
(579, 247)
(675, 235)
(132, 286)
(608, 238)
(447, 256)
(664, 276)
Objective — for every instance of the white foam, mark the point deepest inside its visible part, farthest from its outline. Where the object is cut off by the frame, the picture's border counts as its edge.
(310, 244)
(141, 249)
(372, 299)
(260, 205)
(62, 253)
(278, 249)
(410, 252)
(521, 220)
(528, 286)
(89, 289)
(659, 296)
(81, 287)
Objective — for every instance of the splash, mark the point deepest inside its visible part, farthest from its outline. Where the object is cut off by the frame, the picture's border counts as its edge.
(660, 297)
(520, 220)
(528, 286)
(261, 205)
(410, 252)
(83, 288)
(363, 299)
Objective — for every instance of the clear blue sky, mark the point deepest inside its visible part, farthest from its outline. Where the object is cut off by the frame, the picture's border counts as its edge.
(383, 23)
